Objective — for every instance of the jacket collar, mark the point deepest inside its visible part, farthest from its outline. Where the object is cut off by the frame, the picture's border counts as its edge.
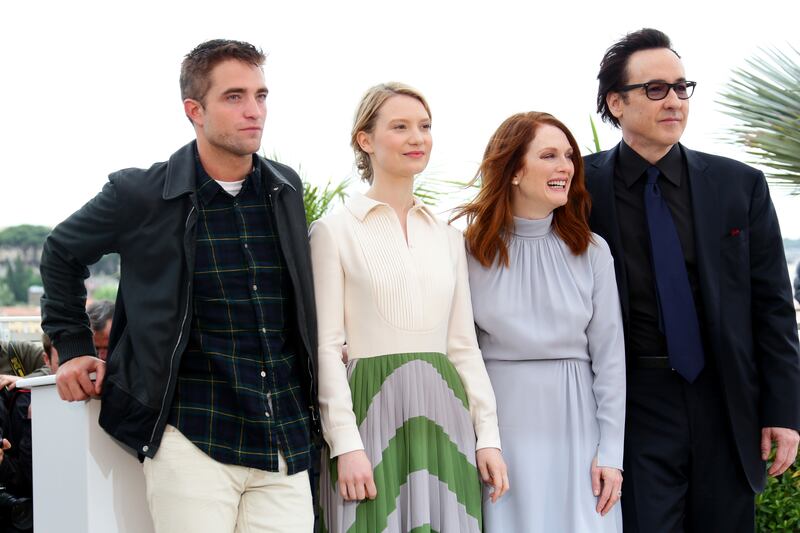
(360, 206)
(268, 168)
(606, 160)
(180, 178)
(181, 175)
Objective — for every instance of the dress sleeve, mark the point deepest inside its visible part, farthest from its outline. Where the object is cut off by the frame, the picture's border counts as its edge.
(463, 352)
(335, 401)
(607, 353)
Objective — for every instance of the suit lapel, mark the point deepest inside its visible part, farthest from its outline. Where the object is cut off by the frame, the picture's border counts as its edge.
(707, 232)
(601, 175)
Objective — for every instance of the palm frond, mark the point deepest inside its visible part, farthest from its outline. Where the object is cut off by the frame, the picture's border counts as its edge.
(764, 98)
(318, 201)
(432, 190)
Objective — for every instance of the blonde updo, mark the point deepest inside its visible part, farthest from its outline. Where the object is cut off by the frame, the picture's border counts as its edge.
(367, 115)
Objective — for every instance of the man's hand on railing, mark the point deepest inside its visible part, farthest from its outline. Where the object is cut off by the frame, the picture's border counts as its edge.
(73, 379)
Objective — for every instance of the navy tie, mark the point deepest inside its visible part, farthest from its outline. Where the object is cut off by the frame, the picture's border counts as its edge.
(675, 302)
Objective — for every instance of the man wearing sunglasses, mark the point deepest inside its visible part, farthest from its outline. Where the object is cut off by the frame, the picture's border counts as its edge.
(710, 332)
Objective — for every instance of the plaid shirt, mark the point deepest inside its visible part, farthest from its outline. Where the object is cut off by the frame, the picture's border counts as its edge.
(239, 394)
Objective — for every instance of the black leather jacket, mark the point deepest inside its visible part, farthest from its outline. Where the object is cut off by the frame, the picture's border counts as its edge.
(148, 217)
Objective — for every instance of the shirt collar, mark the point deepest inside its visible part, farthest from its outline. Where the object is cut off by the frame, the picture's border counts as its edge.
(207, 188)
(360, 206)
(632, 166)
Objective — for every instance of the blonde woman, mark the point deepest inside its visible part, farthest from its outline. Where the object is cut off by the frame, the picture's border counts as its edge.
(404, 417)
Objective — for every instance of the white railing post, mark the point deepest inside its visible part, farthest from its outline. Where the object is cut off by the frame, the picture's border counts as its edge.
(83, 480)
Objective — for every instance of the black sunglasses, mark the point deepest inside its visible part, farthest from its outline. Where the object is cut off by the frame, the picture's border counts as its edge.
(658, 90)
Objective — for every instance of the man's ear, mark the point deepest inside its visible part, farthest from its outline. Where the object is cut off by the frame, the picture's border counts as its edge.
(194, 111)
(614, 101)
(364, 141)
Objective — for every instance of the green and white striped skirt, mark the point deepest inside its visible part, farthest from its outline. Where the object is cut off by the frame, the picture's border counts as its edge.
(413, 416)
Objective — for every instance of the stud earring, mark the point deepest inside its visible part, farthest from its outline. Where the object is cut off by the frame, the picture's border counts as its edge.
(515, 182)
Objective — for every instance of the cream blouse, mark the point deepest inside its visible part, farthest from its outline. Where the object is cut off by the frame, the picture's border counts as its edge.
(384, 295)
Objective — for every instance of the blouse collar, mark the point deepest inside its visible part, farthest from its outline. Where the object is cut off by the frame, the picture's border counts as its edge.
(361, 205)
(525, 227)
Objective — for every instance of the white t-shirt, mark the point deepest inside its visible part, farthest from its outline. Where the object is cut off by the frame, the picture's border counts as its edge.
(231, 187)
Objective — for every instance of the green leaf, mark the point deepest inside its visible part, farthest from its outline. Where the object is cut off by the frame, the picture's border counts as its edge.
(318, 201)
(595, 137)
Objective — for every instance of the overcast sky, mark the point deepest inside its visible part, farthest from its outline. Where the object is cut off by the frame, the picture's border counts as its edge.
(88, 88)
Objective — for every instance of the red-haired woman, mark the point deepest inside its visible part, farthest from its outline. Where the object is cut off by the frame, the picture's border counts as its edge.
(545, 303)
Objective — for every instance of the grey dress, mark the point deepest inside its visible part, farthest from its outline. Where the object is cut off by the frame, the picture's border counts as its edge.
(550, 330)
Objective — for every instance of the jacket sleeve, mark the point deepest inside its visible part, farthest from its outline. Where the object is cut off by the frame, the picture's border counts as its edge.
(80, 240)
(774, 320)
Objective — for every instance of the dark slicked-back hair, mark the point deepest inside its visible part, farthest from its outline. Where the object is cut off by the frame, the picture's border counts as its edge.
(613, 68)
(198, 64)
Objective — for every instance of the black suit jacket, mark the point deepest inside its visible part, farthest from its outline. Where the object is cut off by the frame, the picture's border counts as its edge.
(749, 319)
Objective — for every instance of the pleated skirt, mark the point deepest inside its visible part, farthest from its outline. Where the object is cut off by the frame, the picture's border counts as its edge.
(413, 417)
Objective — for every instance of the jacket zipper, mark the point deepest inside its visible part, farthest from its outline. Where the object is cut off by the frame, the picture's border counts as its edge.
(145, 448)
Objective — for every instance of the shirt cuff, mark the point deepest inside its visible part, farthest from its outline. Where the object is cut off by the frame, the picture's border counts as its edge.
(342, 440)
(488, 437)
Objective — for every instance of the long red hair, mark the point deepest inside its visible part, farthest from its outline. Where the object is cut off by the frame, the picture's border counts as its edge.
(490, 221)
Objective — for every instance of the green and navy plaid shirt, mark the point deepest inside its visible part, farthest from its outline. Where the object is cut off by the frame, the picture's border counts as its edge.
(239, 395)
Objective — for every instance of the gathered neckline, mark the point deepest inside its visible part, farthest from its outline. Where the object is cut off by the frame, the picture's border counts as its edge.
(525, 227)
